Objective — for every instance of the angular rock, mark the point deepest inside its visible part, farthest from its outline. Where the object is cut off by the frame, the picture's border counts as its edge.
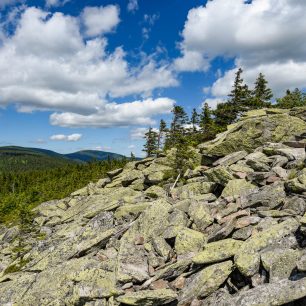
(278, 293)
(189, 241)
(236, 187)
(205, 282)
(253, 132)
(217, 251)
(247, 259)
(200, 214)
(148, 297)
(219, 175)
(270, 196)
(193, 189)
(280, 262)
(230, 159)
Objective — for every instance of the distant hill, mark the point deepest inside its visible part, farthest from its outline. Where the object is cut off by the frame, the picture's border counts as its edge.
(89, 155)
(14, 158)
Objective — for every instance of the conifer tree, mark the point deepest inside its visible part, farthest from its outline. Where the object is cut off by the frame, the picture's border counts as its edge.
(194, 121)
(132, 158)
(239, 96)
(151, 146)
(162, 131)
(291, 99)
(180, 119)
(207, 125)
(261, 95)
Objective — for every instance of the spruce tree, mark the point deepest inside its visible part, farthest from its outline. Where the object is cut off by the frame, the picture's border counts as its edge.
(291, 99)
(151, 146)
(207, 126)
(239, 96)
(162, 131)
(238, 100)
(132, 158)
(179, 120)
(262, 94)
(194, 121)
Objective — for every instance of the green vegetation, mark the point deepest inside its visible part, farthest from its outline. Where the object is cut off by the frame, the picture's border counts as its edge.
(185, 133)
(20, 159)
(22, 191)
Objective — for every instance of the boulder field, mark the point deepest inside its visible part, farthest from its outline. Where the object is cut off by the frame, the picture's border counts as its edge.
(232, 232)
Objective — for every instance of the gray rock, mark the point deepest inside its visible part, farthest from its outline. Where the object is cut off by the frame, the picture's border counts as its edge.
(270, 196)
(230, 159)
(278, 293)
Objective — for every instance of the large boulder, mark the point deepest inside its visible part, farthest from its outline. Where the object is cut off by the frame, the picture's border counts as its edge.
(253, 132)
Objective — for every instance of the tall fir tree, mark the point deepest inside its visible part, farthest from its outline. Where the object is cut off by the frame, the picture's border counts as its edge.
(262, 94)
(151, 144)
(161, 132)
(194, 120)
(179, 120)
(240, 94)
(207, 125)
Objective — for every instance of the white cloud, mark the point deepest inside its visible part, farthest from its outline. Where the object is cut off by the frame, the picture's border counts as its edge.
(131, 146)
(46, 64)
(264, 35)
(149, 21)
(139, 133)
(113, 114)
(132, 5)
(4, 3)
(213, 102)
(70, 138)
(56, 3)
(102, 148)
(100, 20)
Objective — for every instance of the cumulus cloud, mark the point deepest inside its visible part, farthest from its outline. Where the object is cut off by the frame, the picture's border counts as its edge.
(102, 148)
(132, 5)
(47, 64)
(264, 35)
(139, 133)
(213, 102)
(4, 3)
(100, 20)
(113, 114)
(70, 138)
(54, 3)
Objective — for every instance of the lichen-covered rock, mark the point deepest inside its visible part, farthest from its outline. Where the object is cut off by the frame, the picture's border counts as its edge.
(200, 214)
(205, 282)
(247, 259)
(280, 262)
(230, 159)
(270, 196)
(189, 241)
(219, 175)
(193, 189)
(148, 297)
(278, 293)
(236, 187)
(217, 251)
(254, 132)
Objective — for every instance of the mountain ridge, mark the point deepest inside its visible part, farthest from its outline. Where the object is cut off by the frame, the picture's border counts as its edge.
(23, 158)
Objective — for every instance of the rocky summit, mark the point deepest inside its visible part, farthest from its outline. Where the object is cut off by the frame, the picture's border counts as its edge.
(231, 232)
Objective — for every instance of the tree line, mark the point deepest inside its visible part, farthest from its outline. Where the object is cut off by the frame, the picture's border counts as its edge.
(20, 191)
(185, 131)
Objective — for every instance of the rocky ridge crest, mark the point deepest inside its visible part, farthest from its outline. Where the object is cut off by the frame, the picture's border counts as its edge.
(233, 232)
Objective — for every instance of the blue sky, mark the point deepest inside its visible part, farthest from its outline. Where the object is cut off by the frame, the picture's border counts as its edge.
(95, 74)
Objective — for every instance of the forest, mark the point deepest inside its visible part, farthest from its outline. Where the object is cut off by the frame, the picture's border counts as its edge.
(20, 191)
